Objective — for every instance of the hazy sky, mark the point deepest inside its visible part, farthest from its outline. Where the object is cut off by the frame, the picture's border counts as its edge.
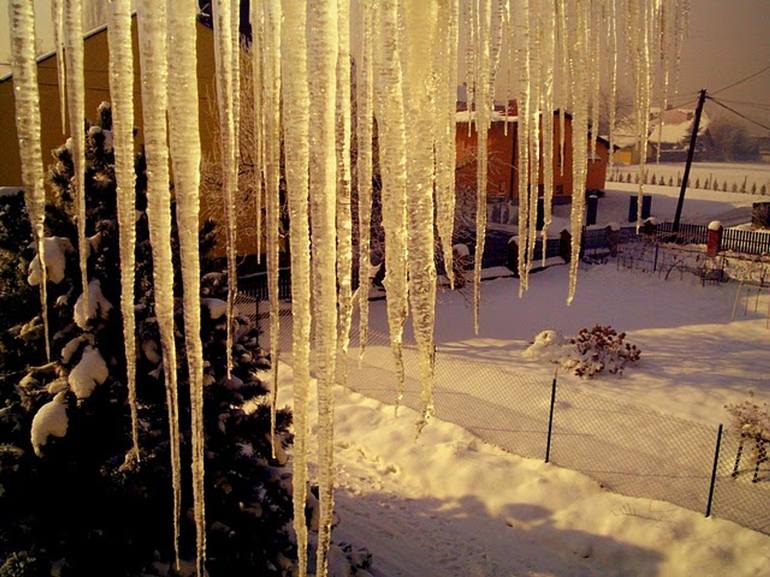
(728, 39)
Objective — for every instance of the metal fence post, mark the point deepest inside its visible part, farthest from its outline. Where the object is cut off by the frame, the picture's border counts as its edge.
(550, 418)
(655, 264)
(712, 485)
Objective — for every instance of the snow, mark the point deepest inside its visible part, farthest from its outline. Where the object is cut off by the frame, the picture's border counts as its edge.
(715, 225)
(56, 249)
(216, 307)
(98, 305)
(50, 420)
(89, 372)
(449, 504)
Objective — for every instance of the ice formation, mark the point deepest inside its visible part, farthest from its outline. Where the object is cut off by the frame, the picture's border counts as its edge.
(445, 68)
(73, 53)
(223, 58)
(364, 125)
(154, 77)
(185, 148)
(27, 97)
(296, 108)
(322, 55)
(344, 216)
(121, 68)
(406, 76)
(389, 106)
(420, 35)
(49, 421)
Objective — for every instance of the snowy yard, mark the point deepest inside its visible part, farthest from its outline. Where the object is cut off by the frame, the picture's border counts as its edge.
(449, 504)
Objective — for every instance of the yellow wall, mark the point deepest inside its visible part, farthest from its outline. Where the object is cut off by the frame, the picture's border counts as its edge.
(97, 90)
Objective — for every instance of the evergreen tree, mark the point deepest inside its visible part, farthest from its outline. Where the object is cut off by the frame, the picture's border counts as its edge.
(71, 502)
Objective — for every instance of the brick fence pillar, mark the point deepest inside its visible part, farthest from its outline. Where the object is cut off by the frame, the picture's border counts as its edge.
(714, 242)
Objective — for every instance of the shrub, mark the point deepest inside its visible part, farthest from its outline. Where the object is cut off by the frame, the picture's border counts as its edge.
(600, 348)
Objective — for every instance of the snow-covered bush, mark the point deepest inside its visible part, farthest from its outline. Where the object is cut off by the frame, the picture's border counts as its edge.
(548, 346)
(752, 419)
(601, 348)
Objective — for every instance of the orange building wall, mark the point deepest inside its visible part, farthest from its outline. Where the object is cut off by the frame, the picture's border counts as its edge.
(503, 170)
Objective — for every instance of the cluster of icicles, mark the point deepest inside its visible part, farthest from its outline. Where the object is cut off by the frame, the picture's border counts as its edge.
(550, 56)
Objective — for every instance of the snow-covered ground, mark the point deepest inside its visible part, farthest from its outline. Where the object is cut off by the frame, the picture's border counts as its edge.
(738, 174)
(694, 359)
(449, 504)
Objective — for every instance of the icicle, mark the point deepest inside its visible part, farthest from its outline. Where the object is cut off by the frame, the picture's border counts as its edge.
(389, 103)
(445, 64)
(27, 112)
(344, 218)
(534, 130)
(484, 103)
(580, 56)
(184, 139)
(154, 77)
(549, 61)
(522, 162)
(257, 27)
(565, 78)
(596, 76)
(296, 110)
(364, 123)
(420, 27)
(470, 17)
(643, 73)
(73, 45)
(271, 70)
(121, 69)
(57, 19)
(235, 39)
(322, 50)
(613, 37)
(222, 14)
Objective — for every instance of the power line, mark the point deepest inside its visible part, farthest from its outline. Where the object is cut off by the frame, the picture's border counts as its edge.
(759, 105)
(742, 80)
(723, 105)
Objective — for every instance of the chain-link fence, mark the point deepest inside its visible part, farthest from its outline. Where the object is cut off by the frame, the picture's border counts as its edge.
(627, 448)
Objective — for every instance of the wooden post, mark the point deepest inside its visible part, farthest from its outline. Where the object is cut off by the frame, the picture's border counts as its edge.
(690, 153)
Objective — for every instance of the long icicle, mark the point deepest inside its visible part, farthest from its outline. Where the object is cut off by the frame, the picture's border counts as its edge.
(257, 26)
(483, 116)
(613, 38)
(522, 160)
(580, 56)
(535, 132)
(364, 123)
(122, 93)
(420, 28)
(185, 146)
(271, 68)
(549, 66)
(445, 57)
(389, 109)
(154, 78)
(322, 50)
(344, 217)
(27, 113)
(296, 111)
(73, 45)
(222, 14)
(57, 20)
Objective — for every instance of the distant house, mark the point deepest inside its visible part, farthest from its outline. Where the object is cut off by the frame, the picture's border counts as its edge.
(673, 134)
(503, 154)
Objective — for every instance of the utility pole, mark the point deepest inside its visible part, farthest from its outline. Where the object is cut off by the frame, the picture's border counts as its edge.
(690, 153)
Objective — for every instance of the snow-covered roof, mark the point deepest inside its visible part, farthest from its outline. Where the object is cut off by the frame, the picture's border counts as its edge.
(676, 127)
